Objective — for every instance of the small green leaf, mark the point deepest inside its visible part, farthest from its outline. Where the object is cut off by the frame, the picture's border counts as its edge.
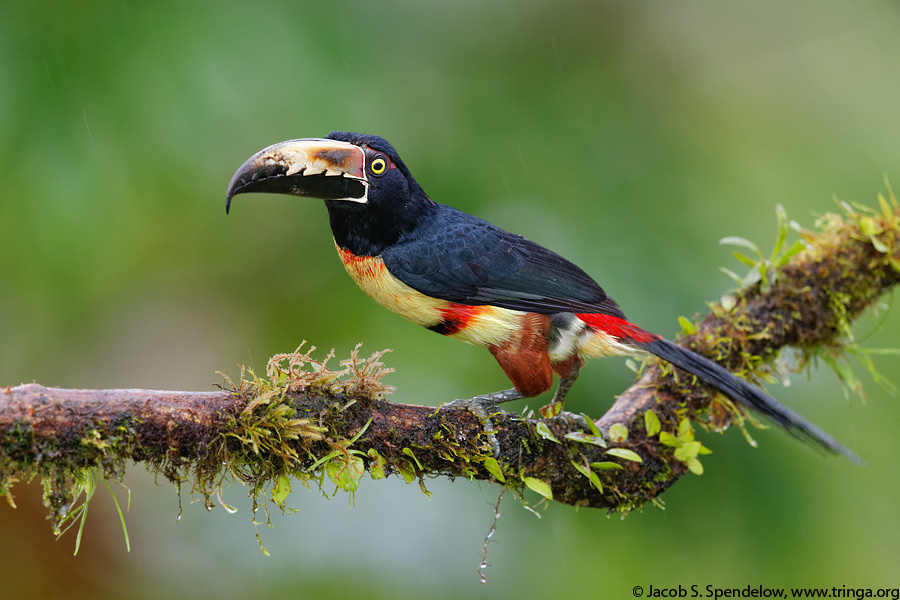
(541, 487)
(618, 433)
(281, 490)
(545, 432)
(685, 431)
(119, 510)
(606, 466)
(651, 423)
(591, 425)
(695, 466)
(345, 473)
(745, 259)
(549, 411)
(743, 243)
(378, 466)
(493, 467)
(763, 269)
(796, 248)
(782, 230)
(324, 459)
(359, 433)
(879, 245)
(625, 454)
(867, 225)
(844, 372)
(667, 439)
(687, 451)
(728, 303)
(407, 470)
(584, 438)
(734, 276)
(886, 211)
(687, 327)
(581, 468)
(410, 454)
(595, 481)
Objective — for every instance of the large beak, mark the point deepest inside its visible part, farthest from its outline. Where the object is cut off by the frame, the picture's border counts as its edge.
(313, 168)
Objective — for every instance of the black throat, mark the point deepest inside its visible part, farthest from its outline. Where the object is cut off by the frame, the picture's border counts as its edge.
(368, 229)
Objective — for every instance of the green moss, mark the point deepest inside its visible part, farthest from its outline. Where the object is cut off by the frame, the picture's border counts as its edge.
(96, 454)
(264, 445)
(268, 443)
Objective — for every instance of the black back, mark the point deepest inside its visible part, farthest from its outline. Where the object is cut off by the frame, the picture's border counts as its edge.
(445, 253)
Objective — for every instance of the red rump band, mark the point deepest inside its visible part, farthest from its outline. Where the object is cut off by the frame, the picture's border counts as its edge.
(617, 327)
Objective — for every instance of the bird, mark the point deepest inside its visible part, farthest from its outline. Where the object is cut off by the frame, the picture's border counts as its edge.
(456, 274)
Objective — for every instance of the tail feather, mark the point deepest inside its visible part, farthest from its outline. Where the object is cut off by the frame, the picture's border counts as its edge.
(745, 393)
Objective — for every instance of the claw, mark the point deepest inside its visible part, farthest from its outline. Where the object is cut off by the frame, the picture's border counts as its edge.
(484, 407)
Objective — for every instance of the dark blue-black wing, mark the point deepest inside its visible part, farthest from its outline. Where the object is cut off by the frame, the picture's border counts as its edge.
(464, 259)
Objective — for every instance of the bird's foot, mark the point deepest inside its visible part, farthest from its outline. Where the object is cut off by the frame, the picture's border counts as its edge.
(484, 407)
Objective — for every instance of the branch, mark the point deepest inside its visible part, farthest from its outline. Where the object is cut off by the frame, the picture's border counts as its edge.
(305, 421)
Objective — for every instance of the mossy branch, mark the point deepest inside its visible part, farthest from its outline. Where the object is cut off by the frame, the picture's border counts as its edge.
(306, 422)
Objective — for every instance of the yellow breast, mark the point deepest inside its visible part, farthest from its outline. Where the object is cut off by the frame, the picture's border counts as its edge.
(479, 325)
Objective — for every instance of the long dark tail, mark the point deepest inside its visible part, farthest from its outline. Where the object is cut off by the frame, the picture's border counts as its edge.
(744, 392)
(720, 378)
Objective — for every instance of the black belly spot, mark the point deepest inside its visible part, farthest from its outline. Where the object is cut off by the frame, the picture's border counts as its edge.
(447, 326)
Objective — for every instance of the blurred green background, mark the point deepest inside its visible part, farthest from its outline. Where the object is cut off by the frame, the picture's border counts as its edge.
(629, 136)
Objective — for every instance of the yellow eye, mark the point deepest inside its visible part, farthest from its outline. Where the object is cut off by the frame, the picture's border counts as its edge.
(378, 166)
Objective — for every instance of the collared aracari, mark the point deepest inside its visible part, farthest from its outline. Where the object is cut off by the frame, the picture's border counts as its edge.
(460, 276)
